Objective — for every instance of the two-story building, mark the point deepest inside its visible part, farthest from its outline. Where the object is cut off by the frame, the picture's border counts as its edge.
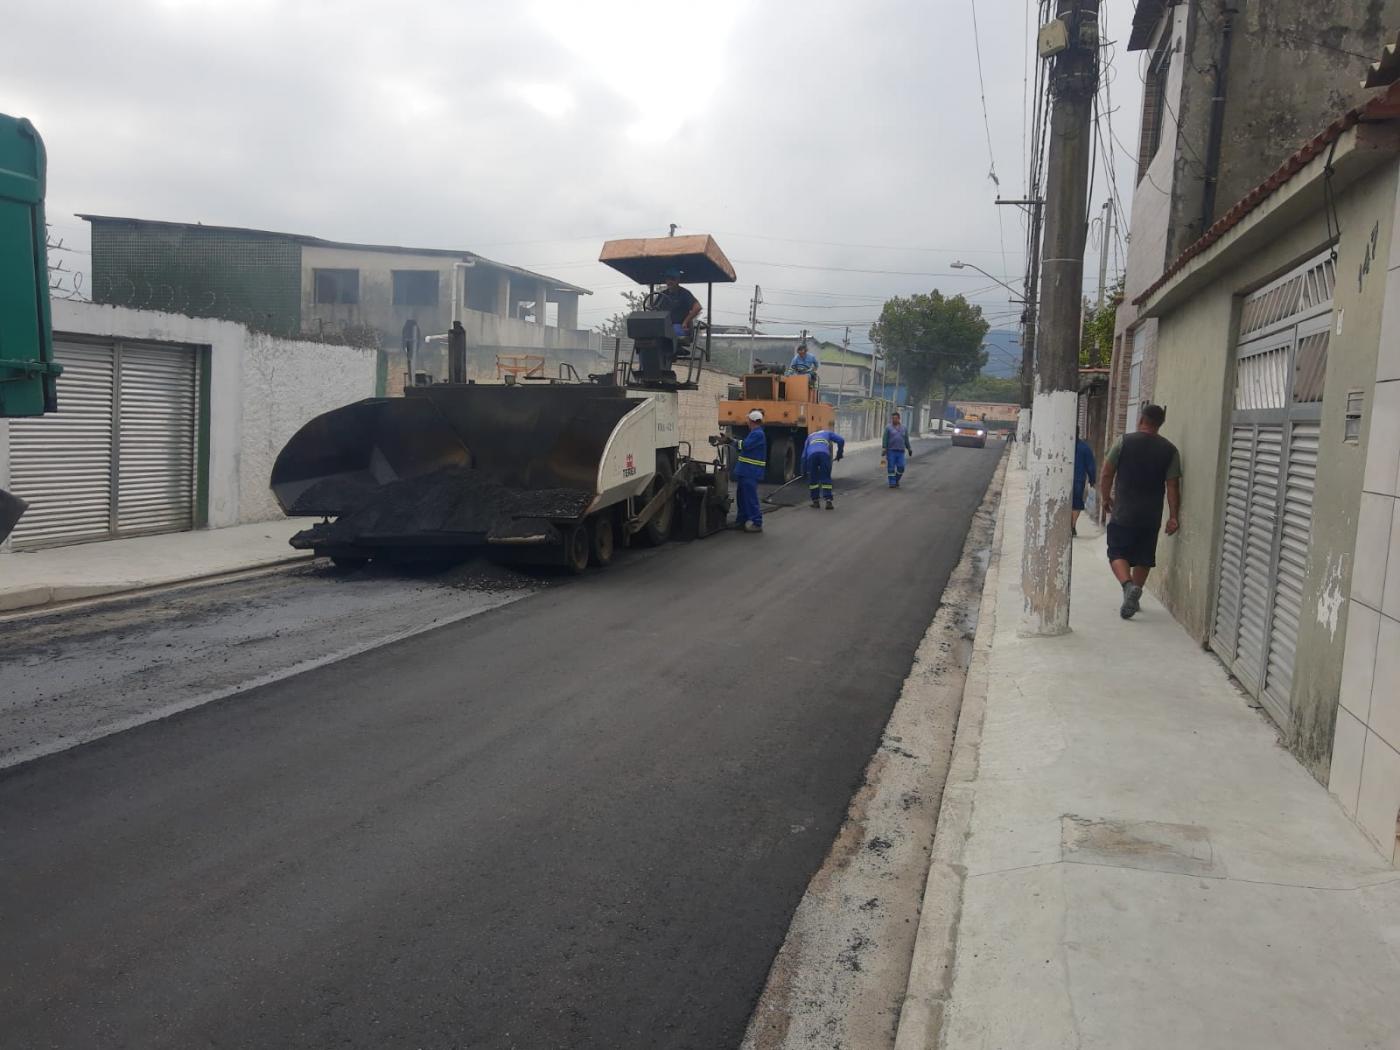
(386, 296)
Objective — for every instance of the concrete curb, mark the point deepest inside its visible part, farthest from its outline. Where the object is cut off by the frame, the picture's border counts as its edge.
(930, 985)
(43, 597)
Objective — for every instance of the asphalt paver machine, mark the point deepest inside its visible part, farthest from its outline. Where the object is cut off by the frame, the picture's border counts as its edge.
(550, 470)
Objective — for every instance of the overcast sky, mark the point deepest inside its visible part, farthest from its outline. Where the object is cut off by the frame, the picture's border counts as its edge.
(530, 131)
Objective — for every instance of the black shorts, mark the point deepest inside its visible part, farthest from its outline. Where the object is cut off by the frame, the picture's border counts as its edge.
(1137, 545)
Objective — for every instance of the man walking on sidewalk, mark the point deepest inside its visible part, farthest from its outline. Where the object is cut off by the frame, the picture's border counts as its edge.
(894, 448)
(816, 464)
(1135, 472)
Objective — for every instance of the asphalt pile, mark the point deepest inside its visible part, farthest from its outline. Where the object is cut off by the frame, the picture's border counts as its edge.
(455, 500)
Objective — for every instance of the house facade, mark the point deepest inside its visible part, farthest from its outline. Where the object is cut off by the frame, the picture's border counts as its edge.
(1230, 89)
(295, 286)
(1277, 345)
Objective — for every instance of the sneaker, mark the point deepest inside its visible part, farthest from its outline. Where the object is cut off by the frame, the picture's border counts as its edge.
(1132, 598)
(830, 505)
(1074, 530)
(750, 526)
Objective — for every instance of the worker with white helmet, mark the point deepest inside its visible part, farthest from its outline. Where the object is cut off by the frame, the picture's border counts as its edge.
(749, 470)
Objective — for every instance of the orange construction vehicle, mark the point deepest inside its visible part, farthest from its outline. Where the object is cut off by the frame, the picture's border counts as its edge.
(790, 410)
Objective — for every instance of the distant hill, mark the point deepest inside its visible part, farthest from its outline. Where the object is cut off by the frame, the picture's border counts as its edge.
(1003, 353)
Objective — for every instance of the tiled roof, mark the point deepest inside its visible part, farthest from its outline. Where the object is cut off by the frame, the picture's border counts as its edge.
(1383, 107)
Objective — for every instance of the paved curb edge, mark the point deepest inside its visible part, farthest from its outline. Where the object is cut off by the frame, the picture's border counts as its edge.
(935, 946)
(48, 598)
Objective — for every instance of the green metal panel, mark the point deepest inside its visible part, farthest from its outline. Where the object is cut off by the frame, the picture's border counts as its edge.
(238, 275)
(27, 368)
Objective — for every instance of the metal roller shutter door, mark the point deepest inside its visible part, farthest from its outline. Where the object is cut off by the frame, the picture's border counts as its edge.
(1256, 589)
(118, 458)
(1295, 535)
(61, 464)
(1266, 527)
(155, 440)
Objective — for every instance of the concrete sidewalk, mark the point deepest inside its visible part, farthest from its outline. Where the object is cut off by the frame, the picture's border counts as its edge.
(32, 579)
(1126, 857)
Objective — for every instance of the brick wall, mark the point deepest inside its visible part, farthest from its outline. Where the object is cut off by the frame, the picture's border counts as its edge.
(699, 410)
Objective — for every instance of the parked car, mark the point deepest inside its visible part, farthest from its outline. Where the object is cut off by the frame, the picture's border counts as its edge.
(970, 432)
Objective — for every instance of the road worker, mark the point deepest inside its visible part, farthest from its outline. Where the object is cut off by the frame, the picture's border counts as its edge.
(894, 448)
(816, 464)
(751, 465)
(803, 364)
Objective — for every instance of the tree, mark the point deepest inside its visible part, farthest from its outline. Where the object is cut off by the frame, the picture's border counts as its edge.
(992, 388)
(934, 340)
(1096, 343)
(617, 323)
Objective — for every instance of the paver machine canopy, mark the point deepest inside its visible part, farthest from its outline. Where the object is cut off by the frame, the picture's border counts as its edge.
(657, 347)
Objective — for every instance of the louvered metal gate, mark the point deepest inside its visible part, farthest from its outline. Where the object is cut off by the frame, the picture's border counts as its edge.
(118, 458)
(1266, 518)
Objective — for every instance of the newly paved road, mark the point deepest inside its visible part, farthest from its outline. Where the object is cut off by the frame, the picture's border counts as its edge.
(579, 820)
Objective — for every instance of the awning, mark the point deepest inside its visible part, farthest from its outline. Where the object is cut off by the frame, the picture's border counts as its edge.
(646, 259)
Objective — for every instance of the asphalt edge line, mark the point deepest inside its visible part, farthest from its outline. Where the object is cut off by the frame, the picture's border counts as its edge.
(10, 762)
(936, 681)
(930, 986)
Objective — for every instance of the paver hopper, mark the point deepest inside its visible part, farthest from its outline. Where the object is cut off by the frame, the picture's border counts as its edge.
(552, 471)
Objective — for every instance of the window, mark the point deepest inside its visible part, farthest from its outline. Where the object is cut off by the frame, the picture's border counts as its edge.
(415, 287)
(337, 286)
(1352, 431)
(1154, 104)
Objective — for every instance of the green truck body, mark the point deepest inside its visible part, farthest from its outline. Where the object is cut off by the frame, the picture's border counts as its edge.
(28, 372)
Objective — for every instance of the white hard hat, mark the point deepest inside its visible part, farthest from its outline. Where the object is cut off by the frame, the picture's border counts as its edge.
(756, 416)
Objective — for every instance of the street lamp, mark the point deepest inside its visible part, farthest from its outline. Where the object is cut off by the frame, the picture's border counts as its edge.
(959, 265)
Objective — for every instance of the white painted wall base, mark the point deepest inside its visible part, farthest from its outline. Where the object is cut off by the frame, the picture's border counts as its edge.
(1045, 561)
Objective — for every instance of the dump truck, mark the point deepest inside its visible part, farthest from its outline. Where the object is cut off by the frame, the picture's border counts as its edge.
(546, 469)
(28, 372)
(791, 410)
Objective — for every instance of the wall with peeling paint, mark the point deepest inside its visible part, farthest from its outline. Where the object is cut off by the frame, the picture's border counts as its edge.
(1195, 381)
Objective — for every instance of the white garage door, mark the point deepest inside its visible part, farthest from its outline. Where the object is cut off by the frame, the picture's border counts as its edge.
(119, 457)
(1266, 528)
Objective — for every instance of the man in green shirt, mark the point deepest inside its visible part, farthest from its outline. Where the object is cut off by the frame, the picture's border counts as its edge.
(1138, 468)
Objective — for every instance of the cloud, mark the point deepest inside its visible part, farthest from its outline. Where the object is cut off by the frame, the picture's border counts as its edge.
(532, 131)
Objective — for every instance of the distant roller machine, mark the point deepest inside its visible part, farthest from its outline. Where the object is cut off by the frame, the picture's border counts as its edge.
(559, 470)
(791, 410)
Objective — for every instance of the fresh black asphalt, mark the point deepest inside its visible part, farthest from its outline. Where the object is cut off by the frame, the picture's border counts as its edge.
(581, 820)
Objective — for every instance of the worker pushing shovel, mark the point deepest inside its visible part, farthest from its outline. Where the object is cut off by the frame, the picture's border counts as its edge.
(894, 448)
(816, 464)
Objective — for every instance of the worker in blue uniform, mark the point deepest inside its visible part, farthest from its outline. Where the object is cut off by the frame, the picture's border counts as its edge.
(894, 448)
(803, 364)
(817, 456)
(751, 465)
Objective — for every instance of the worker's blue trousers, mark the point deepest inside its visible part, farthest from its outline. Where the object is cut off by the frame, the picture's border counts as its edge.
(749, 507)
(894, 461)
(819, 476)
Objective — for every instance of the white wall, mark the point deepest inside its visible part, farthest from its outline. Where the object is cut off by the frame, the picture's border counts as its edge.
(285, 384)
(261, 389)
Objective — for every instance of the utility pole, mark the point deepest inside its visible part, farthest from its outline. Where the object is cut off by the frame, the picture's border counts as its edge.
(1028, 337)
(1045, 560)
(753, 320)
(845, 363)
(1103, 250)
